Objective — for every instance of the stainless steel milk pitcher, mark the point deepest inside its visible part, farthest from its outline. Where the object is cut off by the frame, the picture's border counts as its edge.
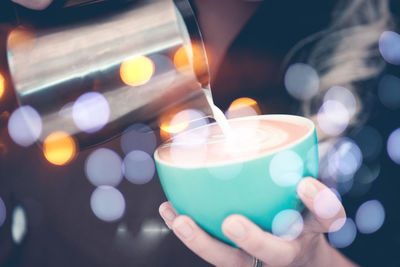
(95, 77)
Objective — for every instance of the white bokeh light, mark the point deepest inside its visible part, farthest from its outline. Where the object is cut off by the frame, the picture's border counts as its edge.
(389, 46)
(326, 204)
(139, 167)
(345, 159)
(91, 112)
(25, 126)
(343, 96)
(138, 137)
(195, 119)
(345, 236)
(393, 146)
(19, 225)
(3, 212)
(164, 70)
(370, 217)
(389, 91)
(301, 81)
(286, 168)
(333, 117)
(287, 224)
(107, 203)
(104, 167)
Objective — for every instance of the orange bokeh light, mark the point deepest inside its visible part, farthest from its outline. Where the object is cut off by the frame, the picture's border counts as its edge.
(59, 148)
(182, 61)
(173, 123)
(21, 38)
(2, 85)
(243, 104)
(137, 71)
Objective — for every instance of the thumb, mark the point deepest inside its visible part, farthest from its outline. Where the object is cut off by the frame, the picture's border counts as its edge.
(328, 214)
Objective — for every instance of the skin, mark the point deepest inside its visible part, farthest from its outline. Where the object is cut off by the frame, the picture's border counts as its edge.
(310, 248)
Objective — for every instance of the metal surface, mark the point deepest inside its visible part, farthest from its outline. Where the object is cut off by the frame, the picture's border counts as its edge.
(53, 67)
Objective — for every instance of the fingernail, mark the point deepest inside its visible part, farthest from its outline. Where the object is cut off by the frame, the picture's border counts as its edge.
(184, 230)
(168, 214)
(235, 229)
(308, 190)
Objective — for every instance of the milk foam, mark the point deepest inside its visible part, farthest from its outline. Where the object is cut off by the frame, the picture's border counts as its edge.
(247, 139)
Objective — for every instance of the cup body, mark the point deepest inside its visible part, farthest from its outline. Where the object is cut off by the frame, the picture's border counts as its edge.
(252, 192)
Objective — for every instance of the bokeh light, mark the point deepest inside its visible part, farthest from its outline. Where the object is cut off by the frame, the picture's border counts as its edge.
(243, 107)
(138, 137)
(286, 168)
(2, 85)
(326, 204)
(370, 217)
(393, 146)
(59, 148)
(107, 203)
(389, 91)
(389, 46)
(333, 117)
(91, 112)
(343, 96)
(19, 225)
(175, 123)
(104, 167)
(139, 167)
(345, 159)
(345, 236)
(25, 126)
(164, 67)
(369, 141)
(301, 81)
(183, 62)
(22, 38)
(137, 71)
(287, 224)
(3, 212)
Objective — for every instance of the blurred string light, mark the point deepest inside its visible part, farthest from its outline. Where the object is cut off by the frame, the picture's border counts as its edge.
(59, 148)
(25, 126)
(343, 96)
(19, 225)
(370, 141)
(107, 203)
(389, 46)
(138, 137)
(288, 224)
(301, 81)
(3, 212)
(370, 217)
(137, 71)
(2, 85)
(286, 168)
(393, 146)
(243, 107)
(139, 167)
(183, 62)
(389, 91)
(104, 167)
(345, 236)
(333, 118)
(91, 112)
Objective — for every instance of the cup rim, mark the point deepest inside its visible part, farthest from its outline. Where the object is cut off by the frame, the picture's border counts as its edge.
(275, 117)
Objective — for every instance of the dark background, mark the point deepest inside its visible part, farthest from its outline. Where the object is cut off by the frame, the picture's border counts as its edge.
(63, 231)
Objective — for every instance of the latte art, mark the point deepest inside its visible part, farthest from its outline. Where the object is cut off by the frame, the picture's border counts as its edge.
(250, 137)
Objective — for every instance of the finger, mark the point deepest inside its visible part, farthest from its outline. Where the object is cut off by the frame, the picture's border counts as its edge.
(34, 4)
(168, 213)
(328, 214)
(269, 248)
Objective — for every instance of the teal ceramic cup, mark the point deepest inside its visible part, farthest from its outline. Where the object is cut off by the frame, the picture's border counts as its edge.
(264, 186)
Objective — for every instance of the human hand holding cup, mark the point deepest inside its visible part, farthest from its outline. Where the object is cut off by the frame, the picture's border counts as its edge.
(240, 198)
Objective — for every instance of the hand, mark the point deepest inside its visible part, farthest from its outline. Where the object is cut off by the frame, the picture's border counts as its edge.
(34, 4)
(309, 249)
